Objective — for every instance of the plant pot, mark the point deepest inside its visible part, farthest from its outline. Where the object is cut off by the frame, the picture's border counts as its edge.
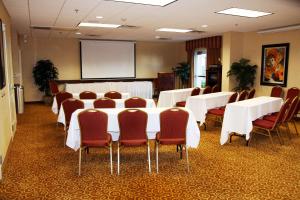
(48, 100)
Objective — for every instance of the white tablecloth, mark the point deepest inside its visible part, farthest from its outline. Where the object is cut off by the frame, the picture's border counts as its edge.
(76, 96)
(238, 116)
(88, 103)
(201, 103)
(153, 126)
(143, 89)
(169, 98)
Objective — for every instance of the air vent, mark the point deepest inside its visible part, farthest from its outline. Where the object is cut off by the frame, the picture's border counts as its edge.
(129, 26)
(196, 31)
(41, 27)
(53, 28)
(92, 35)
(163, 38)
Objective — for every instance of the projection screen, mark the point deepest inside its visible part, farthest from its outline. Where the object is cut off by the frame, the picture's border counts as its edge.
(107, 59)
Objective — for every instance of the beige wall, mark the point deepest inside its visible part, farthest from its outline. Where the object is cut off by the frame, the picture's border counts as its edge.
(249, 45)
(151, 57)
(7, 108)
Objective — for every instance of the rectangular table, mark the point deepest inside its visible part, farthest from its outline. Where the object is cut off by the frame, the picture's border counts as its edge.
(76, 96)
(238, 116)
(153, 126)
(88, 103)
(201, 103)
(169, 98)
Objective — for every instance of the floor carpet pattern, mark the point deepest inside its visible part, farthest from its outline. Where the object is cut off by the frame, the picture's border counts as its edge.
(38, 166)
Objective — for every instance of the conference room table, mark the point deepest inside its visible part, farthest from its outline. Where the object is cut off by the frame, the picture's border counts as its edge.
(153, 126)
(76, 96)
(169, 98)
(238, 116)
(89, 103)
(200, 104)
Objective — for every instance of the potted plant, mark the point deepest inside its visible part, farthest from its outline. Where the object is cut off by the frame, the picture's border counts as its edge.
(244, 74)
(182, 70)
(43, 71)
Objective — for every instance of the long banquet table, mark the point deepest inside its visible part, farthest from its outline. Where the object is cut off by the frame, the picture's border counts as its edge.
(76, 96)
(238, 116)
(88, 103)
(153, 126)
(142, 89)
(201, 103)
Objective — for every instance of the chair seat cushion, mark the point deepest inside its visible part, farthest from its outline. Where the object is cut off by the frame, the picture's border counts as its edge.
(136, 142)
(180, 104)
(169, 141)
(216, 111)
(271, 118)
(96, 143)
(263, 123)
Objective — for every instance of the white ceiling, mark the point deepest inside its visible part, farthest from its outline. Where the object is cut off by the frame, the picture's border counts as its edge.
(180, 14)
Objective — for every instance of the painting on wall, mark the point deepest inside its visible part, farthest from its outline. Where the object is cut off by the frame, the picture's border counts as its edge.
(2, 61)
(274, 64)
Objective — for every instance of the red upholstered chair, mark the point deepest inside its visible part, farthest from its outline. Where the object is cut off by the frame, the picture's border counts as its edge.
(292, 93)
(70, 105)
(173, 123)
(135, 102)
(297, 111)
(53, 87)
(243, 95)
(207, 90)
(104, 103)
(215, 88)
(276, 91)
(113, 95)
(133, 124)
(88, 95)
(60, 97)
(251, 94)
(195, 92)
(268, 126)
(93, 132)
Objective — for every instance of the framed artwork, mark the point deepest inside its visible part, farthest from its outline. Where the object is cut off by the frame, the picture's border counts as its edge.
(274, 64)
(2, 61)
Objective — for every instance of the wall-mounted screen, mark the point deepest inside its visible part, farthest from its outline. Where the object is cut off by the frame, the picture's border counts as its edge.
(107, 59)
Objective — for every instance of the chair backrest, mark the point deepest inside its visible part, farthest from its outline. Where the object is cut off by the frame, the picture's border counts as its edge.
(297, 109)
(88, 95)
(276, 91)
(93, 125)
(233, 98)
(215, 88)
(292, 93)
(251, 93)
(207, 90)
(132, 124)
(243, 95)
(135, 102)
(113, 95)
(69, 106)
(173, 123)
(291, 110)
(195, 91)
(104, 103)
(61, 96)
(53, 87)
(281, 114)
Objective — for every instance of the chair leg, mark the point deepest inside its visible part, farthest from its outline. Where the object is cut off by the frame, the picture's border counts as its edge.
(295, 127)
(118, 158)
(187, 158)
(65, 137)
(279, 137)
(156, 147)
(149, 161)
(204, 123)
(79, 168)
(288, 130)
(180, 149)
(270, 136)
(110, 155)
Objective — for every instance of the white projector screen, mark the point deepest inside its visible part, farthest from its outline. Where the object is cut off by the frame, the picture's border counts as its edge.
(107, 59)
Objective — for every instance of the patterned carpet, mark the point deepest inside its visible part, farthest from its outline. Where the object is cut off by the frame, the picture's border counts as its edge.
(39, 167)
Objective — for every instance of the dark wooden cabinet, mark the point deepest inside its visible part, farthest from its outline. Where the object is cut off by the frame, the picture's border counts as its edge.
(214, 75)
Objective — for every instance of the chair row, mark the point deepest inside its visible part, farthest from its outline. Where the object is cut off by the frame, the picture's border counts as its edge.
(277, 91)
(93, 130)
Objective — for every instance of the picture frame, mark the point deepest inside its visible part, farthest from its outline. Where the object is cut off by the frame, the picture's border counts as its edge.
(2, 61)
(274, 64)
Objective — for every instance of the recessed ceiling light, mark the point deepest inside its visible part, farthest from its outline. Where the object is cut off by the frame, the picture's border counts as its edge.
(174, 30)
(204, 26)
(87, 24)
(99, 17)
(148, 2)
(243, 12)
(78, 33)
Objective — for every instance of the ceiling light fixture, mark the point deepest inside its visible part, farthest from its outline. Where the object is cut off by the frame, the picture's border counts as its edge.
(78, 33)
(98, 25)
(148, 2)
(174, 30)
(243, 12)
(99, 17)
(204, 26)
